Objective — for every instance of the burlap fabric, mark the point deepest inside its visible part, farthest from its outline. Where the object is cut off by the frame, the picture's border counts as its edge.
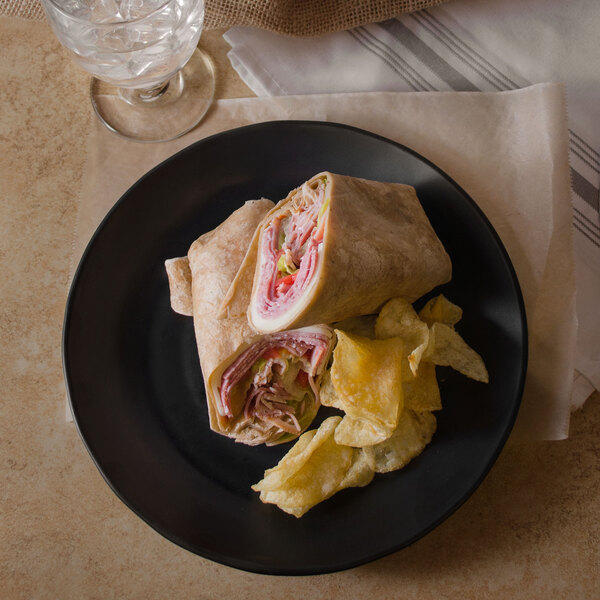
(306, 17)
(291, 17)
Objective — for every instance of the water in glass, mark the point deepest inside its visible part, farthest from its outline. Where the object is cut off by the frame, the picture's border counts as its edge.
(129, 43)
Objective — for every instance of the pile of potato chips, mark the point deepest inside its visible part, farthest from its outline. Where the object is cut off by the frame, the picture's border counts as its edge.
(383, 379)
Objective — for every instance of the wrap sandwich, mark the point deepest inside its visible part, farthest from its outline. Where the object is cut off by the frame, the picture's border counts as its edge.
(259, 388)
(337, 247)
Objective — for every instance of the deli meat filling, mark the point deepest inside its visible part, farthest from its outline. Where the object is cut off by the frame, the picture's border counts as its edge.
(290, 250)
(271, 387)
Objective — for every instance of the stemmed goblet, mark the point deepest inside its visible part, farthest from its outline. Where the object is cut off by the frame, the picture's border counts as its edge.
(150, 81)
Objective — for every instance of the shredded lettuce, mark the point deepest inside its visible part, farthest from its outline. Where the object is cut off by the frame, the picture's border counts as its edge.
(284, 267)
(307, 418)
(258, 365)
(323, 209)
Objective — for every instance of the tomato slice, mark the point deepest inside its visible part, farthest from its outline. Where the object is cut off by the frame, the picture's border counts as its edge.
(302, 378)
(271, 353)
(287, 280)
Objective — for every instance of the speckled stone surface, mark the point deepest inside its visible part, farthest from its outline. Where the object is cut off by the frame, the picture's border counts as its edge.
(532, 530)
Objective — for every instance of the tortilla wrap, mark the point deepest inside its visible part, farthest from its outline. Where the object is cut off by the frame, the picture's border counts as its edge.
(199, 282)
(369, 241)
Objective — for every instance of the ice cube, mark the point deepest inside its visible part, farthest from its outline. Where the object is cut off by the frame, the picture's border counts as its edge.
(104, 11)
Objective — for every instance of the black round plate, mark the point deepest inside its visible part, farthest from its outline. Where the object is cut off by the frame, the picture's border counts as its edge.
(136, 389)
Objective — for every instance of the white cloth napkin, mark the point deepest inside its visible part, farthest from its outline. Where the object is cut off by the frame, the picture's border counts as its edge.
(468, 45)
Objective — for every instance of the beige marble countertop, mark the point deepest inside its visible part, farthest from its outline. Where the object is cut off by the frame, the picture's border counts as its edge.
(532, 529)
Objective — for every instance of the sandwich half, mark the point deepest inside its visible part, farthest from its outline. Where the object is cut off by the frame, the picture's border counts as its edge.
(337, 247)
(259, 388)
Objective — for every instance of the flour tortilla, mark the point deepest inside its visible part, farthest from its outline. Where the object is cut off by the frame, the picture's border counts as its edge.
(378, 244)
(200, 282)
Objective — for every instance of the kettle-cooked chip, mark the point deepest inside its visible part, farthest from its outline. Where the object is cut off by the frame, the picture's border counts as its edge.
(359, 432)
(312, 471)
(440, 310)
(327, 393)
(399, 319)
(413, 433)
(422, 393)
(447, 348)
(360, 472)
(367, 378)
(291, 463)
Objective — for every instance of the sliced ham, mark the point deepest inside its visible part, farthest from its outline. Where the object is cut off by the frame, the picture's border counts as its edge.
(267, 401)
(303, 241)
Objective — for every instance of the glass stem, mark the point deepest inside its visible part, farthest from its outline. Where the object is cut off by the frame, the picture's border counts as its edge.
(148, 95)
(164, 91)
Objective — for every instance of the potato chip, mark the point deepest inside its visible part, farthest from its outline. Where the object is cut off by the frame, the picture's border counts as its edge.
(399, 319)
(318, 480)
(367, 379)
(447, 348)
(359, 432)
(440, 310)
(360, 472)
(310, 474)
(291, 463)
(327, 393)
(351, 431)
(413, 433)
(422, 393)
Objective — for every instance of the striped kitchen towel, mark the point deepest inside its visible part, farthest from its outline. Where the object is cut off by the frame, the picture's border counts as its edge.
(467, 45)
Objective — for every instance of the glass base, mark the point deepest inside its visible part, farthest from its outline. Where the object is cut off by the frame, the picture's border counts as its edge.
(160, 114)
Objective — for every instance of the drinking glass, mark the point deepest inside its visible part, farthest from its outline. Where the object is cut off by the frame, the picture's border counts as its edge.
(150, 81)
